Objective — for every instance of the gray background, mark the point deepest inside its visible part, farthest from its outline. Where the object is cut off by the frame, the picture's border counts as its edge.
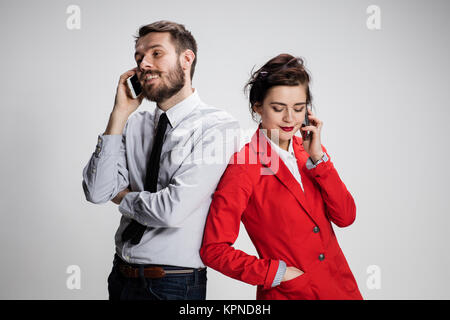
(382, 94)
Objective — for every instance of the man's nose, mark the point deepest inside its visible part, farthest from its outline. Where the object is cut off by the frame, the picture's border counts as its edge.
(146, 64)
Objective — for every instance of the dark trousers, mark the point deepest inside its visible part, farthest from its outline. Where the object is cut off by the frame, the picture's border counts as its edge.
(191, 286)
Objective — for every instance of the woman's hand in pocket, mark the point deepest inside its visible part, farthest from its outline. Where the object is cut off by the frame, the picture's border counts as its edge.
(291, 273)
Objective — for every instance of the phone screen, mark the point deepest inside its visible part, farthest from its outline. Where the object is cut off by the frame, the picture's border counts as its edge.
(136, 85)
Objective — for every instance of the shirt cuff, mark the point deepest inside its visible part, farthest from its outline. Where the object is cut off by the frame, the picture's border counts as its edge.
(126, 206)
(280, 274)
(310, 165)
(108, 144)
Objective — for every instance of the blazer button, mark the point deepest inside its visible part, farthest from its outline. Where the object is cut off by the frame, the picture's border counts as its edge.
(316, 229)
(321, 256)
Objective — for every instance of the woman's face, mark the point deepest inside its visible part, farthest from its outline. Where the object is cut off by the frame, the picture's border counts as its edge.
(283, 110)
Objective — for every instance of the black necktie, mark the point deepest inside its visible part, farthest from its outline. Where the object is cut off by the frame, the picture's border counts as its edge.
(135, 230)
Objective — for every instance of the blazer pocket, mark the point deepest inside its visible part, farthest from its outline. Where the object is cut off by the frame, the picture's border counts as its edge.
(298, 288)
(296, 283)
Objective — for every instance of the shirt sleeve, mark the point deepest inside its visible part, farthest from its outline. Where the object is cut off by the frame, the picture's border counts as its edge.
(339, 204)
(280, 273)
(222, 229)
(193, 182)
(106, 173)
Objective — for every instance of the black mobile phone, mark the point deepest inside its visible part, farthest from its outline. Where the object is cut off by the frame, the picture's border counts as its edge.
(307, 134)
(134, 85)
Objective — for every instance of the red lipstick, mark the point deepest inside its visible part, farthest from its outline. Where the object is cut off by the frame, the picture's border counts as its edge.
(287, 128)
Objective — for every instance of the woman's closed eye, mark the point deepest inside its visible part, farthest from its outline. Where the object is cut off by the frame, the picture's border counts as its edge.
(296, 110)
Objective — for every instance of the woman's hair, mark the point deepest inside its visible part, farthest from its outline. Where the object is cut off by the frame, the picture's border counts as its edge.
(282, 70)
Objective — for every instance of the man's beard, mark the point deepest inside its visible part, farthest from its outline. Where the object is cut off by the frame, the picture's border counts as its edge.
(160, 92)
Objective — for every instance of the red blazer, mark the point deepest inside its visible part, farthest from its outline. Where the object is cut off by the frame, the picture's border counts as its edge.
(280, 219)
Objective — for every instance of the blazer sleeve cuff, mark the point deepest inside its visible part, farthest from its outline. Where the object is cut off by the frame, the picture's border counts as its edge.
(273, 268)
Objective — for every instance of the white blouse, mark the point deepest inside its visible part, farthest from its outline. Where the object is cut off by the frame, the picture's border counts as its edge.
(288, 158)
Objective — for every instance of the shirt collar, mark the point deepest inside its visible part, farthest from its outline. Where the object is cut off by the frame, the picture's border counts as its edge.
(280, 151)
(179, 111)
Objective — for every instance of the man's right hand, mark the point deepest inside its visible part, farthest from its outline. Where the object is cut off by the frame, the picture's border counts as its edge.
(291, 273)
(124, 105)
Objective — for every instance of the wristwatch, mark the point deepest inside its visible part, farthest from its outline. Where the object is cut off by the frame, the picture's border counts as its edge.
(323, 159)
(310, 163)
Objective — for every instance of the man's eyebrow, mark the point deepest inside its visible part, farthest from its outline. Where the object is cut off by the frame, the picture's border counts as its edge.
(284, 104)
(151, 47)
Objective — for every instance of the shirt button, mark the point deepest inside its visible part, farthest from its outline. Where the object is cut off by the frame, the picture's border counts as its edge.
(93, 170)
(321, 256)
(316, 229)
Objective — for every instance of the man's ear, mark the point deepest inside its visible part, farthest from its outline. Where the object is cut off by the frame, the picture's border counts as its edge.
(187, 59)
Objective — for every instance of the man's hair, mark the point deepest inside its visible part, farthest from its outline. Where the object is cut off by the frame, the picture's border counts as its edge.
(181, 37)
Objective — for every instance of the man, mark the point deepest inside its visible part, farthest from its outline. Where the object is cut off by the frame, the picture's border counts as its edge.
(161, 168)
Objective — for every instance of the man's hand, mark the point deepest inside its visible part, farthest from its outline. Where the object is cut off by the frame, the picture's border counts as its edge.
(291, 273)
(124, 105)
(120, 196)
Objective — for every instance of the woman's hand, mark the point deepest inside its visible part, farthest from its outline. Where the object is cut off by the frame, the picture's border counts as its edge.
(291, 273)
(313, 145)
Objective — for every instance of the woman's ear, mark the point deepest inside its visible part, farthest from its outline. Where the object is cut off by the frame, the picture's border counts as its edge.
(257, 107)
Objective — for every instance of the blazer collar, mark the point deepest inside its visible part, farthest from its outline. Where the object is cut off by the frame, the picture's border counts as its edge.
(273, 165)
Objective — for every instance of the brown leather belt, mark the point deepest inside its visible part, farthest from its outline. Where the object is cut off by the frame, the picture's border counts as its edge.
(151, 272)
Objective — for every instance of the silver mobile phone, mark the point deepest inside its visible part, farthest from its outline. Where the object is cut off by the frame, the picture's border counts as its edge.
(134, 85)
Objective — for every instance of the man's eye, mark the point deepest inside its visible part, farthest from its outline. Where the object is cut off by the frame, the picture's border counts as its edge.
(156, 54)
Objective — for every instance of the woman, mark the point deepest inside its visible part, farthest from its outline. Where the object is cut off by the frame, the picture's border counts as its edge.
(286, 192)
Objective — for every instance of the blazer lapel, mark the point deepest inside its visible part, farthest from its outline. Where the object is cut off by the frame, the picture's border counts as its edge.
(273, 165)
(302, 156)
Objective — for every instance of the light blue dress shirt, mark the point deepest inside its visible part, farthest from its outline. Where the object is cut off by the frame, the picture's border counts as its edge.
(198, 145)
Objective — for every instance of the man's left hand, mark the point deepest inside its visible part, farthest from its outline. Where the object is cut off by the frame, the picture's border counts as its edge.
(117, 199)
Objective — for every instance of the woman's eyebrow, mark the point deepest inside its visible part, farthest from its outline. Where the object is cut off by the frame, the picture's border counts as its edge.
(284, 104)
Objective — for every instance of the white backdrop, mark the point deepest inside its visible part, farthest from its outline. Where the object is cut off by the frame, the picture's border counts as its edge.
(382, 94)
